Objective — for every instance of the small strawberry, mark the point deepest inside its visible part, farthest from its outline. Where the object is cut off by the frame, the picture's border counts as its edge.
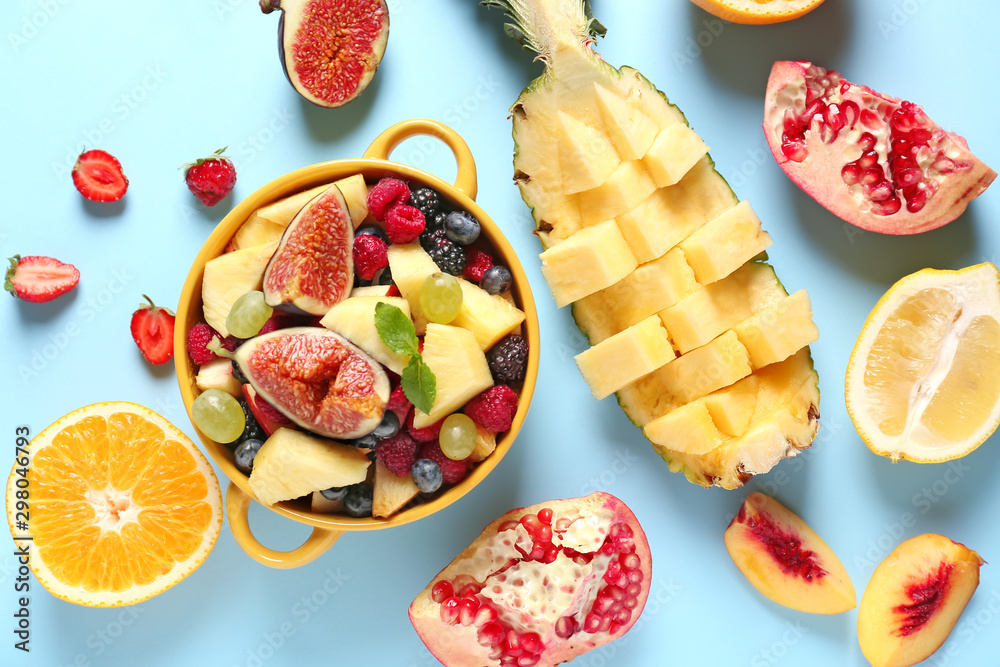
(39, 279)
(153, 331)
(98, 176)
(211, 178)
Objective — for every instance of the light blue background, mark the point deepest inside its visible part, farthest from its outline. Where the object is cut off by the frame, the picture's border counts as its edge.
(159, 84)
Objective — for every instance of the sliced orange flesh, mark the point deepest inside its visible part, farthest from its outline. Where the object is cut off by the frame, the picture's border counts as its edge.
(122, 505)
(923, 381)
(758, 11)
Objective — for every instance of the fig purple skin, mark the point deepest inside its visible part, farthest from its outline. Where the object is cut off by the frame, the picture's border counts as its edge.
(355, 31)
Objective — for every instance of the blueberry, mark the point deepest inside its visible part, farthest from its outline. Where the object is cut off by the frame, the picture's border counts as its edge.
(389, 426)
(358, 501)
(426, 475)
(370, 230)
(384, 277)
(496, 279)
(245, 453)
(364, 442)
(461, 227)
(335, 493)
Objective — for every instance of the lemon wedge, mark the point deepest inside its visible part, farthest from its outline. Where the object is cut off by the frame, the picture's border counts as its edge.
(923, 381)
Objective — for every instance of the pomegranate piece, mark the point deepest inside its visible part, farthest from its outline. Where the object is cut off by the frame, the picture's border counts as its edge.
(540, 586)
(876, 161)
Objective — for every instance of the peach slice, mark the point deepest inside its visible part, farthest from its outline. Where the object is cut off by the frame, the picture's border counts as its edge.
(914, 599)
(786, 560)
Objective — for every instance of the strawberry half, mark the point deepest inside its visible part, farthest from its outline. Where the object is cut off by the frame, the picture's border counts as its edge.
(211, 178)
(153, 331)
(39, 279)
(98, 176)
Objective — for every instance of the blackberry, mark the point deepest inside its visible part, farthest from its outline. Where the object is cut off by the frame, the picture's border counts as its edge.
(508, 360)
(449, 256)
(252, 429)
(433, 224)
(428, 200)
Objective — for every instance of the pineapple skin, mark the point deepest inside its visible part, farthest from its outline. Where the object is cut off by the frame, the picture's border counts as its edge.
(562, 43)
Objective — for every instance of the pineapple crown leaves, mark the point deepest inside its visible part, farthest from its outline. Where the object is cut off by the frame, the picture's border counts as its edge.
(525, 18)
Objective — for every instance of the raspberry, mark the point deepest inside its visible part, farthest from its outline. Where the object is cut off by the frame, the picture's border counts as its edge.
(387, 193)
(400, 404)
(199, 336)
(452, 471)
(369, 256)
(397, 453)
(425, 434)
(476, 263)
(493, 409)
(403, 223)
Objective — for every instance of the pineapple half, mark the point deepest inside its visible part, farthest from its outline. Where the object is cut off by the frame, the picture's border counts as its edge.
(639, 230)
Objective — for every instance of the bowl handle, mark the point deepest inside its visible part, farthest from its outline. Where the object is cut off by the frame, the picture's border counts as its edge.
(384, 144)
(238, 508)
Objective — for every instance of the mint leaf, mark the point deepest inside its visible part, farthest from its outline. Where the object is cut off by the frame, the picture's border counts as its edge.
(396, 330)
(419, 384)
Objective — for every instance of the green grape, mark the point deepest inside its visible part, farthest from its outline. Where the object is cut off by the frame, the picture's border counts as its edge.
(441, 298)
(458, 436)
(218, 415)
(248, 315)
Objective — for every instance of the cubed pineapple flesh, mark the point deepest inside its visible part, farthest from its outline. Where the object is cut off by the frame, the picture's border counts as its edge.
(779, 331)
(291, 464)
(676, 150)
(230, 276)
(646, 291)
(689, 429)
(354, 319)
(460, 370)
(625, 357)
(725, 243)
(588, 261)
(410, 266)
(587, 157)
(489, 317)
(627, 187)
(718, 364)
(632, 131)
(391, 492)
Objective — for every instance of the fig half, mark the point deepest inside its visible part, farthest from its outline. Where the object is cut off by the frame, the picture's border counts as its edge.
(330, 49)
(318, 379)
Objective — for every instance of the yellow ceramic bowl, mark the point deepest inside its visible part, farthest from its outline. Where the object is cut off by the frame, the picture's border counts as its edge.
(374, 165)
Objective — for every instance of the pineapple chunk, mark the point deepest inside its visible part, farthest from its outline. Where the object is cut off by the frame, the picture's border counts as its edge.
(256, 231)
(291, 464)
(486, 444)
(670, 214)
(459, 366)
(354, 319)
(725, 243)
(703, 315)
(676, 150)
(632, 131)
(649, 289)
(732, 408)
(780, 331)
(718, 364)
(391, 492)
(371, 290)
(625, 357)
(590, 260)
(689, 429)
(587, 158)
(230, 276)
(410, 265)
(322, 505)
(489, 317)
(353, 188)
(218, 374)
(627, 187)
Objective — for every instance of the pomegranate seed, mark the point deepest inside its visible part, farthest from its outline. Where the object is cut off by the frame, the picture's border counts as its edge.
(566, 626)
(605, 623)
(449, 610)
(528, 660)
(634, 577)
(531, 523)
(614, 592)
(906, 177)
(851, 113)
(537, 552)
(631, 562)
(614, 627)
(485, 615)
(791, 123)
(867, 142)
(633, 590)
(870, 119)
(511, 644)
(872, 176)
(602, 604)
(467, 610)
(850, 173)
(491, 634)
(592, 623)
(890, 206)
(508, 660)
(920, 136)
(812, 111)
(631, 603)
(563, 524)
(844, 87)
(901, 121)
(623, 616)
(544, 533)
(442, 591)
(608, 549)
(868, 160)
(814, 90)
(545, 516)
(916, 203)
(531, 642)
(507, 525)
(469, 590)
(614, 569)
(880, 192)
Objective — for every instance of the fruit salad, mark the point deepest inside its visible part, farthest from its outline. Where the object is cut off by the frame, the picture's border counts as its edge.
(360, 349)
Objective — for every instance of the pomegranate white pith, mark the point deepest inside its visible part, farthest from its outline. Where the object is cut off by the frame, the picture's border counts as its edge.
(875, 161)
(539, 586)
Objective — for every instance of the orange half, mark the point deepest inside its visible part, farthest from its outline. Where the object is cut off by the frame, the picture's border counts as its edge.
(758, 11)
(121, 505)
